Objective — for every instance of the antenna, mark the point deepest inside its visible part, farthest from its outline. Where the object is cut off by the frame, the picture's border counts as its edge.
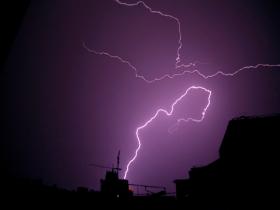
(114, 169)
(118, 162)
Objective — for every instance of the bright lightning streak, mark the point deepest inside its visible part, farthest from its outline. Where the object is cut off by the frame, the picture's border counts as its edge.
(122, 60)
(169, 76)
(178, 59)
(169, 114)
(227, 74)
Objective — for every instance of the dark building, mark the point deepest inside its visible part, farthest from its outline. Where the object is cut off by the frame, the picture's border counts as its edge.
(247, 171)
(114, 187)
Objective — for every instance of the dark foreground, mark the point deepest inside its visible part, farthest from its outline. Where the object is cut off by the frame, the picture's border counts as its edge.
(246, 175)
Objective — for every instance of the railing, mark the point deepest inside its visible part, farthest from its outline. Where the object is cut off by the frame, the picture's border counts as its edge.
(143, 190)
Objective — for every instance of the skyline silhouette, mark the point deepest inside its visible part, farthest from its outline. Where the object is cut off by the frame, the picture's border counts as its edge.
(64, 106)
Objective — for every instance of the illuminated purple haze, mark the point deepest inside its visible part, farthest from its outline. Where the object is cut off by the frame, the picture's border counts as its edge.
(168, 76)
(68, 107)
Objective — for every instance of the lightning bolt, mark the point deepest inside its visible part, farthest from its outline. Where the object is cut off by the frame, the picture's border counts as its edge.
(178, 59)
(171, 76)
(169, 114)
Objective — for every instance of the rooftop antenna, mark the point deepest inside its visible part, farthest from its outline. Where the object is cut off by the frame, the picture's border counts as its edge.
(114, 169)
(118, 163)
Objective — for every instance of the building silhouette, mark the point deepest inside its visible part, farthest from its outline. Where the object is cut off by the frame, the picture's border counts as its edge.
(114, 187)
(246, 173)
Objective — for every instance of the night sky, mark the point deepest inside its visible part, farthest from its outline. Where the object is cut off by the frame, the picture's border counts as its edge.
(66, 107)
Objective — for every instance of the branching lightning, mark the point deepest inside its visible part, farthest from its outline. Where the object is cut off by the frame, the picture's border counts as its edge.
(178, 65)
(168, 76)
(178, 59)
(169, 114)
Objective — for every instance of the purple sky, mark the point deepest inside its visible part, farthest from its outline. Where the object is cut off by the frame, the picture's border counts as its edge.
(68, 108)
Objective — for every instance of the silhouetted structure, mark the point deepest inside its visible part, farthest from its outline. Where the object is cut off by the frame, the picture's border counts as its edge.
(245, 176)
(247, 172)
(114, 187)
